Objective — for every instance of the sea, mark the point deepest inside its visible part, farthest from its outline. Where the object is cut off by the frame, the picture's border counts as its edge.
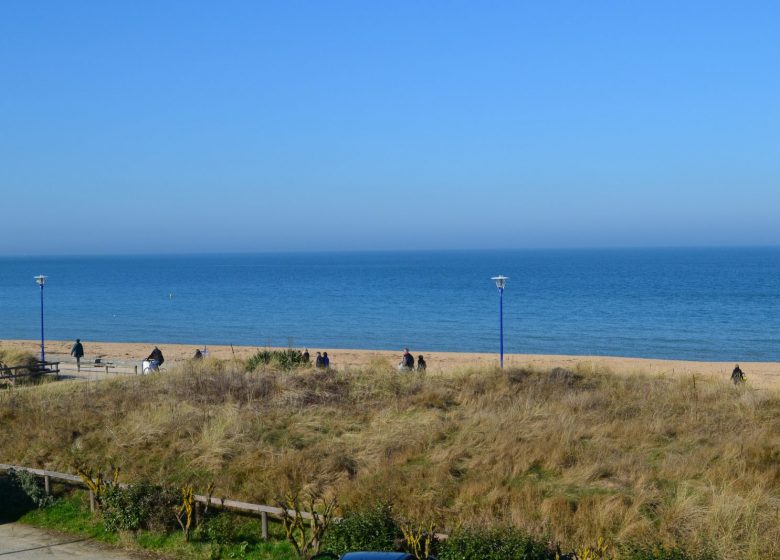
(707, 304)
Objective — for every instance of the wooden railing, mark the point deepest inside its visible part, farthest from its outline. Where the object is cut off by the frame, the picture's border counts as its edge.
(256, 510)
(12, 373)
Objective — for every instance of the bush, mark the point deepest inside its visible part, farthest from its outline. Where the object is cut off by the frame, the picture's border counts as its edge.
(286, 359)
(493, 544)
(373, 529)
(32, 487)
(140, 506)
(220, 529)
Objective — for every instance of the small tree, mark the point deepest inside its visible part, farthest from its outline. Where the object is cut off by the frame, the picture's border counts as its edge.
(96, 481)
(184, 513)
(305, 537)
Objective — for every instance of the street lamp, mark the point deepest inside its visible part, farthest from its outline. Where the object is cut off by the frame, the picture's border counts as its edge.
(41, 280)
(501, 284)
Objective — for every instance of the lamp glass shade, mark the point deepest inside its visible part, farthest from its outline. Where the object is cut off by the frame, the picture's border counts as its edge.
(40, 280)
(500, 281)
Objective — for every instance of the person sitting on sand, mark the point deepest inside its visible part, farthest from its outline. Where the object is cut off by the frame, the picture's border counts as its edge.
(198, 355)
(737, 376)
(318, 361)
(156, 358)
(325, 360)
(421, 365)
(77, 352)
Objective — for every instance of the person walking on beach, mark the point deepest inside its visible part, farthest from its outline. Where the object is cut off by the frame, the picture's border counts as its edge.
(737, 376)
(325, 360)
(77, 352)
(421, 365)
(318, 361)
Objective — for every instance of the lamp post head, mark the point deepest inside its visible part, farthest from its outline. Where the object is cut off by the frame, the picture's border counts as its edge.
(500, 281)
(40, 280)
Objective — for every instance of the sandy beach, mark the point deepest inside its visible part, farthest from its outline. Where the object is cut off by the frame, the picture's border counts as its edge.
(124, 356)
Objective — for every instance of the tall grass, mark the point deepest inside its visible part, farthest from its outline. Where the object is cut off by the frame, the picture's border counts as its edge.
(565, 455)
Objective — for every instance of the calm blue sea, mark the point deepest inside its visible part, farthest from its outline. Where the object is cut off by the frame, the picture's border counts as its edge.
(701, 304)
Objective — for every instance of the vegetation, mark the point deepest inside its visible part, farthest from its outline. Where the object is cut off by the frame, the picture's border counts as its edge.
(656, 466)
(284, 359)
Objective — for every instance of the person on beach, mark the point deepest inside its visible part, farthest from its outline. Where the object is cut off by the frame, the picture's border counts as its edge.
(737, 376)
(421, 365)
(325, 360)
(156, 358)
(77, 352)
(305, 356)
(198, 355)
(407, 361)
(318, 361)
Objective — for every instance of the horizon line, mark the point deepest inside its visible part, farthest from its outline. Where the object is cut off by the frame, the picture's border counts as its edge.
(387, 251)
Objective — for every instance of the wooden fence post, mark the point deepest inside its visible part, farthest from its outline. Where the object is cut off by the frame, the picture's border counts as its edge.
(91, 501)
(264, 525)
(136, 370)
(47, 484)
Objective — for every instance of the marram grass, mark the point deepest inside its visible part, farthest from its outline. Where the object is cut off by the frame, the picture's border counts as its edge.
(568, 456)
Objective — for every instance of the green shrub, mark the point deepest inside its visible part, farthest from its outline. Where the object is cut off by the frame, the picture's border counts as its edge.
(493, 544)
(373, 529)
(220, 529)
(32, 487)
(286, 359)
(140, 506)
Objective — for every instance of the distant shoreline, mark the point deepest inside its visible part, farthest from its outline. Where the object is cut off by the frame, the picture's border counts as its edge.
(765, 375)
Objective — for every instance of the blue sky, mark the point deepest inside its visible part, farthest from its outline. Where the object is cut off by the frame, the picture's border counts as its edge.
(142, 127)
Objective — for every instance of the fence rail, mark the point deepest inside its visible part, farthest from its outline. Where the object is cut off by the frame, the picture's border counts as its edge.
(12, 373)
(254, 510)
(263, 511)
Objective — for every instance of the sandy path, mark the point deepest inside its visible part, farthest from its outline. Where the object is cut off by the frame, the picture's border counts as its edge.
(126, 355)
(27, 543)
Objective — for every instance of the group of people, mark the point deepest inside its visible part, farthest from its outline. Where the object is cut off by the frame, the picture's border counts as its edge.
(321, 360)
(407, 362)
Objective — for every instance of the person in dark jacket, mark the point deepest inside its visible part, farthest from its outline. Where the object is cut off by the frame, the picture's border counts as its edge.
(305, 356)
(421, 365)
(325, 360)
(156, 356)
(407, 361)
(318, 361)
(737, 376)
(198, 355)
(77, 352)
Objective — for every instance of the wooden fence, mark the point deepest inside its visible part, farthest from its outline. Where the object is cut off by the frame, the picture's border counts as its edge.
(12, 373)
(255, 510)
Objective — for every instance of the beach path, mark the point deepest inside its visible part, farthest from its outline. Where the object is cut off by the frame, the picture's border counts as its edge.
(23, 542)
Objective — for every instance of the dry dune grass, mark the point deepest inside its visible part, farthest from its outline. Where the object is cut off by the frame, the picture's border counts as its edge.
(567, 455)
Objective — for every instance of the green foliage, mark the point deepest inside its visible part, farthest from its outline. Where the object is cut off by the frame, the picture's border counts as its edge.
(493, 544)
(32, 487)
(372, 529)
(140, 506)
(220, 529)
(286, 359)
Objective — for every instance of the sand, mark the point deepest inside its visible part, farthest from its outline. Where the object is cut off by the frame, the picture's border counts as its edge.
(124, 356)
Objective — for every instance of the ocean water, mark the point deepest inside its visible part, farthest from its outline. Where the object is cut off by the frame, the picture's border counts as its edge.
(699, 304)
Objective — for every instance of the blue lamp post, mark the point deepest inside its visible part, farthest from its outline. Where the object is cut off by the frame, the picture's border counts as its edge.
(41, 280)
(501, 284)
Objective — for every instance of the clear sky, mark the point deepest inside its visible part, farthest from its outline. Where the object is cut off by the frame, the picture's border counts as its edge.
(135, 127)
